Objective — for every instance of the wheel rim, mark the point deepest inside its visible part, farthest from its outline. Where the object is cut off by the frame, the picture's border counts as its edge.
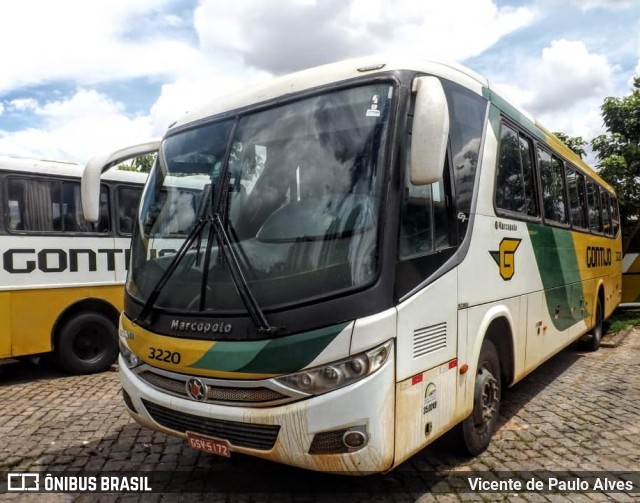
(90, 343)
(487, 392)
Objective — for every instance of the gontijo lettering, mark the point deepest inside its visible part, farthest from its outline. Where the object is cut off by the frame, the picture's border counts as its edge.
(598, 256)
(26, 260)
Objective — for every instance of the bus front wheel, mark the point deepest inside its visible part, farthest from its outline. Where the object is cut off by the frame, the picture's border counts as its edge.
(87, 343)
(478, 428)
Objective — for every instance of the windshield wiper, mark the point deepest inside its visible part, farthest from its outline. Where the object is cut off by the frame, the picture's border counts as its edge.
(242, 287)
(246, 295)
(175, 261)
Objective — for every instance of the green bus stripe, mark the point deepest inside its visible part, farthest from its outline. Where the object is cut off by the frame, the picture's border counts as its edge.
(275, 356)
(558, 266)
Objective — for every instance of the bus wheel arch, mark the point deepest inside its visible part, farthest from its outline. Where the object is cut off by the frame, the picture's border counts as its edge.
(494, 370)
(500, 334)
(85, 337)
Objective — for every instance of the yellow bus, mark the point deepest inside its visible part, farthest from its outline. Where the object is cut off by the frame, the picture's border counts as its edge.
(61, 280)
(369, 252)
(631, 267)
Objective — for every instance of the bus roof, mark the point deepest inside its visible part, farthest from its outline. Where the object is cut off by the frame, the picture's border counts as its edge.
(61, 168)
(40, 166)
(353, 68)
(326, 74)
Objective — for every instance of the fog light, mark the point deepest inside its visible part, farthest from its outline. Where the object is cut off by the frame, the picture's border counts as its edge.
(354, 439)
(339, 441)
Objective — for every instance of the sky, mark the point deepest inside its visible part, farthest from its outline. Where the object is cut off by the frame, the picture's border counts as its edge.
(82, 77)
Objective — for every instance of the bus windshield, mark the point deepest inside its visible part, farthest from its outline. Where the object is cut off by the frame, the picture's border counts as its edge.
(297, 187)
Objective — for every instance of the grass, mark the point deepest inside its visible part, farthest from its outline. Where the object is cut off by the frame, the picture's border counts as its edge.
(621, 319)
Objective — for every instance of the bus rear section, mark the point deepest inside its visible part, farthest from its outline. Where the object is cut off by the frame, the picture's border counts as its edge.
(335, 268)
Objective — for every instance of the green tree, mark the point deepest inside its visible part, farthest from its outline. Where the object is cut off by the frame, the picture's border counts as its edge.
(142, 163)
(575, 143)
(618, 152)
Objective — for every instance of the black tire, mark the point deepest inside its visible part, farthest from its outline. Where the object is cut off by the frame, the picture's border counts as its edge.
(87, 343)
(595, 337)
(477, 429)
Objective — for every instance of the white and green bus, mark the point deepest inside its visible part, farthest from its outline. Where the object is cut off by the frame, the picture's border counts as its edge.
(368, 253)
(62, 277)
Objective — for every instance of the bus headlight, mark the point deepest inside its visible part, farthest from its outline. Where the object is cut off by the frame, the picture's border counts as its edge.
(127, 355)
(335, 375)
(130, 359)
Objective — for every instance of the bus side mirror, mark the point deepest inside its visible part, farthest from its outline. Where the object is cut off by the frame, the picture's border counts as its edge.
(90, 184)
(430, 131)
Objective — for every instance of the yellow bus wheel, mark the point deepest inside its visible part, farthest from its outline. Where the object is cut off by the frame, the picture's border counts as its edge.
(86, 343)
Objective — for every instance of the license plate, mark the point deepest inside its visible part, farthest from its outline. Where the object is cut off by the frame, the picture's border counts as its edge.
(209, 444)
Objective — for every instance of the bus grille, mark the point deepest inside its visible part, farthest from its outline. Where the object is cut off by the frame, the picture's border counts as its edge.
(253, 436)
(430, 339)
(215, 394)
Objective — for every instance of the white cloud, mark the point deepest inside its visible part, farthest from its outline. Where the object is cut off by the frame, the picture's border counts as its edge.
(196, 88)
(604, 4)
(228, 45)
(22, 104)
(75, 129)
(284, 35)
(568, 73)
(86, 42)
(563, 87)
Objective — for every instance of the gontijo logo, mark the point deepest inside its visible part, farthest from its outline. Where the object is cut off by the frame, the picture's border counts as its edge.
(505, 257)
(598, 256)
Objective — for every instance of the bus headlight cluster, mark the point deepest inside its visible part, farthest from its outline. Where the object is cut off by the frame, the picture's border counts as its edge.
(127, 355)
(319, 380)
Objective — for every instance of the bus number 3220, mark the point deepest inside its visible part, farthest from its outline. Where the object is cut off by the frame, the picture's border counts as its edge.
(162, 355)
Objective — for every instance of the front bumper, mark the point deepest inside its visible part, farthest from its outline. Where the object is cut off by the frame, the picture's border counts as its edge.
(282, 433)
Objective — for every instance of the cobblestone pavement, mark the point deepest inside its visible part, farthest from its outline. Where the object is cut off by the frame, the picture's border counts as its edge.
(578, 412)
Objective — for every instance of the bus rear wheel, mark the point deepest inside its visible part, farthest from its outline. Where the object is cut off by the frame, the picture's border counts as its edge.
(87, 343)
(478, 428)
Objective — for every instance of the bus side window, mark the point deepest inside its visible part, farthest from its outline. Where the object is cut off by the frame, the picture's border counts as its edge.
(615, 215)
(103, 224)
(606, 212)
(515, 182)
(72, 216)
(509, 182)
(35, 205)
(577, 198)
(467, 118)
(423, 227)
(15, 203)
(595, 219)
(127, 198)
(551, 176)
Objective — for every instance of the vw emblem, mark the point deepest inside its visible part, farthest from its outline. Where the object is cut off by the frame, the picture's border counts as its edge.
(196, 389)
